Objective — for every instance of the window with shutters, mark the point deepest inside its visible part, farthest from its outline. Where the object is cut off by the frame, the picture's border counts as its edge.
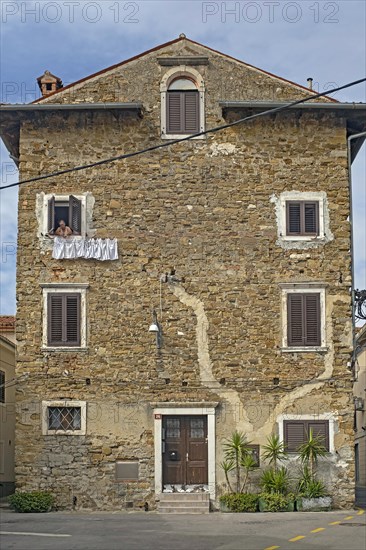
(302, 218)
(64, 316)
(63, 417)
(74, 209)
(293, 429)
(303, 317)
(296, 433)
(182, 107)
(69, 210)
(63, 319)
(182, 103)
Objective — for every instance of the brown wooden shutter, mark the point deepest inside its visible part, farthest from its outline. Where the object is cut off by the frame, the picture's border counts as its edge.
(293, 218)
(73, 319)
(303, 319)
(191, 112)
(295, 434)
(75, 215)
(182, 112)
(63, 319)
(295, 321)
(51, 215)
(320, 428)
(55, 302)
(312, 319)
(174, 112)
(311, 218)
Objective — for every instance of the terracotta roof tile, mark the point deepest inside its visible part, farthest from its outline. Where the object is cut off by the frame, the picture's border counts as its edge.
(7, 323)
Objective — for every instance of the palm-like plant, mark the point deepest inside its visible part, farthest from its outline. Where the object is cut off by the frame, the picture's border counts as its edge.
(310, 451)
(228, 466)
(275, 481)
(248, 463)
(235, 450)
(274, 450)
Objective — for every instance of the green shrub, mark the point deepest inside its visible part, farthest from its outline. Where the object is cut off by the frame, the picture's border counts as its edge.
(276, 502)
(275, 481)
(314, 488)
(240, 502)
(33, 501)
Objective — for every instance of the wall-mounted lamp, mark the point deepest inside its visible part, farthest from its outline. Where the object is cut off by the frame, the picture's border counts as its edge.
(155, 327)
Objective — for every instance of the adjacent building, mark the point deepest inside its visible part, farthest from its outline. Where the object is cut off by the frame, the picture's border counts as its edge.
(205, 287)
(7, 404)
(360, 416)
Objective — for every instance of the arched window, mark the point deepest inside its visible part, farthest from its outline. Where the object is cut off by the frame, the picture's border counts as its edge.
(182, 107)
(182, 103)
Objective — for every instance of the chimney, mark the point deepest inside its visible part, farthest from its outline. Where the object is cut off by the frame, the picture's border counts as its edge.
(49, 83)
(310, 82)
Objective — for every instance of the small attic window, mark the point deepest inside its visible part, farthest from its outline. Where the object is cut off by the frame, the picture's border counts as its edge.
(49, 86)
(183, 105)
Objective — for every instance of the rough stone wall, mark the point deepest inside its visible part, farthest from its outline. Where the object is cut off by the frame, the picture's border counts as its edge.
(203, 207)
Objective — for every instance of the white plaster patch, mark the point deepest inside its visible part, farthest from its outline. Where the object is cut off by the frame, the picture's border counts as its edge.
(204, 360)
(222, 149)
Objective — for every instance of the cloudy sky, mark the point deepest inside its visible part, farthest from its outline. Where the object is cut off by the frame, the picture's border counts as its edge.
(322, 39)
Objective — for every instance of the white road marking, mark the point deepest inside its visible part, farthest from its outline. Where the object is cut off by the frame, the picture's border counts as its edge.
(32, 534)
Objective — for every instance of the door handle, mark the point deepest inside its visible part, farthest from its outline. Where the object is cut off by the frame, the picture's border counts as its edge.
(186, 457)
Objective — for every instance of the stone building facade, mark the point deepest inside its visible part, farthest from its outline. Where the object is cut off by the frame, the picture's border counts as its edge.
(110, 413)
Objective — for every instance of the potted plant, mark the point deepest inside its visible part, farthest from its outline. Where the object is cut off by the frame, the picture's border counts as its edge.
(312, 494)
(238, 461)
(275, 480)
(275, 496)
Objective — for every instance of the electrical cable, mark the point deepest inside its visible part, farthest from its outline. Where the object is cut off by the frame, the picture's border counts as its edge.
(187, 138)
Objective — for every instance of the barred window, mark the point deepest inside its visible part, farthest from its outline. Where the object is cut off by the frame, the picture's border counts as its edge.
(64, 418)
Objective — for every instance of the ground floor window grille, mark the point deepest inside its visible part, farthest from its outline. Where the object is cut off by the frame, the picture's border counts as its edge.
(64, 418)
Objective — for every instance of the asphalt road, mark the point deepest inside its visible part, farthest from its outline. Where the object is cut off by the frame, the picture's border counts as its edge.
(151, 531)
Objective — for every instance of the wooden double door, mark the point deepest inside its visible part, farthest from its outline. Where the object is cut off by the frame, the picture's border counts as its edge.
(185, 458)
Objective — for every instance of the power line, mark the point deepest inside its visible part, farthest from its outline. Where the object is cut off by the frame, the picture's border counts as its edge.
(188, 138)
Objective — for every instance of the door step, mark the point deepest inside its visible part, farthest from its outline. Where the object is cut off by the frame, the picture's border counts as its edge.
(184, 503)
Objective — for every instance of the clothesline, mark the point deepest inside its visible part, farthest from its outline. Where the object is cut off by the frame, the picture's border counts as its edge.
(69, 248)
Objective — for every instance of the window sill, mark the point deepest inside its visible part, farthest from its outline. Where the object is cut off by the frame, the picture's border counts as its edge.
(180, 136)
(305, 349)
(61, 348)
(307, 238)
(65, 432)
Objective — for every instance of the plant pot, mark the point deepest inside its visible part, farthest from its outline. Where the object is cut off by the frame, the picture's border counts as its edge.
(320, 504)
(224, 507)
(263, 506)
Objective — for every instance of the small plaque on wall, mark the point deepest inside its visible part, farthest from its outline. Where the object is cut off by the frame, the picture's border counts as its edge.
(127, 471)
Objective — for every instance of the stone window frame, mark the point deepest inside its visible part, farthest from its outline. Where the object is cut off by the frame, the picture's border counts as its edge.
(322, 416)
(63, 403)
(302, 241)
(62, 288)
(303, 288)
(42, 200)
(181, 71)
